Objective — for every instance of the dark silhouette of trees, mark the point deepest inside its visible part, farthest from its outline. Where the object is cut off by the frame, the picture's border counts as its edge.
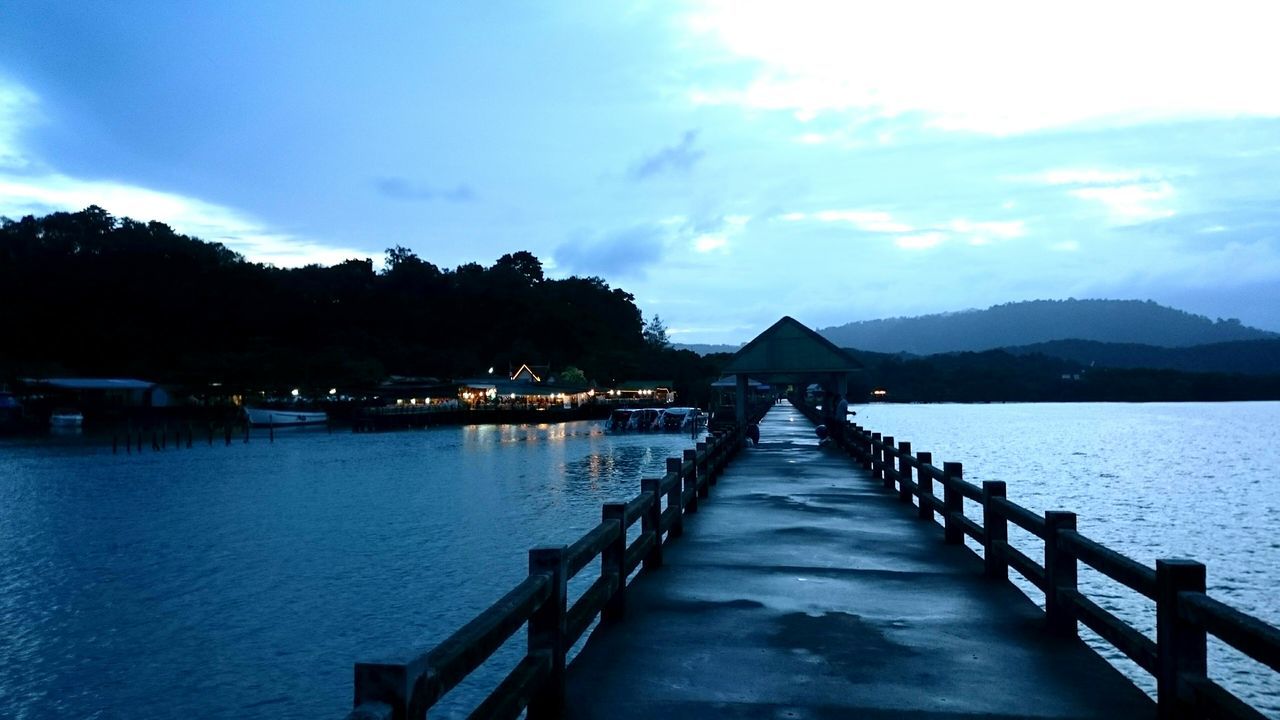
(89, 294)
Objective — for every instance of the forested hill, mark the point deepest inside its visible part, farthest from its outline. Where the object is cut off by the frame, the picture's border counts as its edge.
(1038, 321)
(1244, 357)
(89, 294)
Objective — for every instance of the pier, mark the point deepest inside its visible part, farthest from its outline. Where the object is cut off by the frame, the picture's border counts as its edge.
(802, 580)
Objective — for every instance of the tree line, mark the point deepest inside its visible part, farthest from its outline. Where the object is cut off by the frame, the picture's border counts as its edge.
(90, 294)
(1000, 376)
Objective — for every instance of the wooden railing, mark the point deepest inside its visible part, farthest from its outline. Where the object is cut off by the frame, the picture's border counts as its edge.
(387, 691)
(1185, 614)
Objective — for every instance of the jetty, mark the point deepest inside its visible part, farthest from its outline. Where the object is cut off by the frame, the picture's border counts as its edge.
(799, 579)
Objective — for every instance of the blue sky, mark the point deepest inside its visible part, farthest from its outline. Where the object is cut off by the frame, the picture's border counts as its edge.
(727, 163)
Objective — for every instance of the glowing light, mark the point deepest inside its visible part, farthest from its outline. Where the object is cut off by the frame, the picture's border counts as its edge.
(333, 391)
(294, 392)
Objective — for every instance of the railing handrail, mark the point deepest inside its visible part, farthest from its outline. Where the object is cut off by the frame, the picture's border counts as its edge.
(1185, 612)
(402, 690)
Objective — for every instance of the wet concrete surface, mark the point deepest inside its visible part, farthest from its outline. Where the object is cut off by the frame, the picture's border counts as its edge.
(802, 589)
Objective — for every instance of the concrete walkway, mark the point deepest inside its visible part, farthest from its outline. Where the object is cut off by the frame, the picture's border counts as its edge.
(803, 590)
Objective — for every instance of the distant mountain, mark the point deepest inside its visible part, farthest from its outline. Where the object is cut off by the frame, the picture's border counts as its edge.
(1041, 321)
(705, 349)
(1247, 357)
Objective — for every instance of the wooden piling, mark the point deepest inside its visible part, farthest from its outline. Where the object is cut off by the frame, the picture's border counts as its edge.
(904, 471)
(547, 631)
(1059, 572)
(995, 565)
(613, 560)
(651, 521)
(674, 500)
(924, 487)
(887, 466)
(952, 503)
(691, 479)
(1181, 644)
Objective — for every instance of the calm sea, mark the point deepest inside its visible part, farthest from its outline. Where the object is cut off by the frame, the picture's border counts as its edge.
(1158, 480)
(244, 581)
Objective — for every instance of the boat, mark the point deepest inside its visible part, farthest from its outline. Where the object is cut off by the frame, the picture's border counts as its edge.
(680, 419)
(66, 419)
(280, 417)
(618, 419)
(11, 416)
(642, 419)
(673, 419)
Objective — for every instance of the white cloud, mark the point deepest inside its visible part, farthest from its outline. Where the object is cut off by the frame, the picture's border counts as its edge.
(729, 226)
(27, 187)
(996, 66)
(707, 243)
(1091, 176)
(17, 107)
(868, 220)
(920, 241)
(36, 195)
(1128, 204)
(983, 233)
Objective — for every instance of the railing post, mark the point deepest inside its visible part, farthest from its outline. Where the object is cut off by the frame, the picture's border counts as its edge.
(1180, 644)
(613, 561)
(387, 683)
(675, 499)
(996, 525)
(1059, 573)
(888, 465)
(904, 471)
(877, 458)
(704, 483)
(924, 487)
(713, 458)
(691, 479)
(952, 503)
(651, 521)
(547, 631)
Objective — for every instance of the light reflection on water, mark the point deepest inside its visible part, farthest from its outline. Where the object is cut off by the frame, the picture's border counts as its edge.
(1151, 481)
(245, 580)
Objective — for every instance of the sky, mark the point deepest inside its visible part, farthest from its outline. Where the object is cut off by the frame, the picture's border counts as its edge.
(726, 162)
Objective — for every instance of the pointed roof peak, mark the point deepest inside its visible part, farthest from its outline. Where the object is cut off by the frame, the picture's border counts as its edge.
(789, 347)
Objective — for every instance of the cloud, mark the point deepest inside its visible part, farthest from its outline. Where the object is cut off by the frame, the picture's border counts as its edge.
(920, 241)
(678, 158)
(626, 253)
(1130, 195)
(993, 66)
(1130, 204)
(399, 188)
(29, 187)
(42, 194)
(868, 220)
(1090, 176)
(17, 106)
(922, 236)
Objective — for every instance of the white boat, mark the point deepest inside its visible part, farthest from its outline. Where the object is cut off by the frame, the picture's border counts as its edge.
(279, 417)
(680, 419)
(66, 419)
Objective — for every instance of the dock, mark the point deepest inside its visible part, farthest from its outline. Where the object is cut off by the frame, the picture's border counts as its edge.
(799, 579)
(807, 591)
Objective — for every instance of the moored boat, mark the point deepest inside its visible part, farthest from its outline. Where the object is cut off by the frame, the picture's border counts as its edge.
(279, 417)
(66, 419)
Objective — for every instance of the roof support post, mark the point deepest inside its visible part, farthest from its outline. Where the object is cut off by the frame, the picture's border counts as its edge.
(741, 399)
